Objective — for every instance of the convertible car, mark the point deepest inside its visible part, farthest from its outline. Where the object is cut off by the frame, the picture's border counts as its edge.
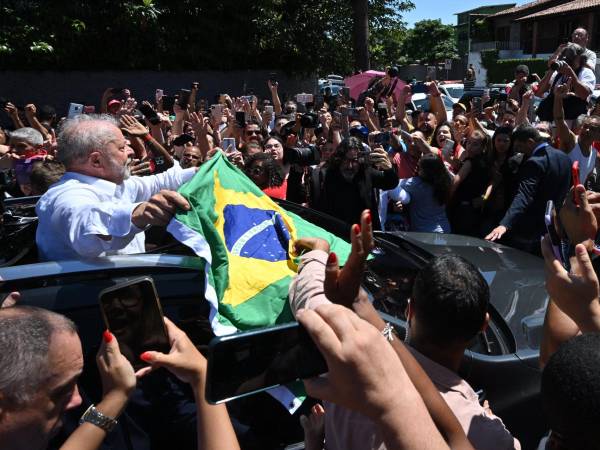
(501, 364)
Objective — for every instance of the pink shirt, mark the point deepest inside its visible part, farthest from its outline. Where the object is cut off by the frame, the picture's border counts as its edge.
(348, 430)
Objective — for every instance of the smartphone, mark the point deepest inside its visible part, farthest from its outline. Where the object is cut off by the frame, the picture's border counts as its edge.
(477, 104)
(75, 109)
(420, 88)
(149, 114)
(246, 363)
(575, 180)
(91, 109)
(184, 98)
(228, 145)
(273, 78)
(304, 98)
(217, 110)
(269, 109)
(131, 311)
(240, 118)
(382, 138)
(167, 103)
(159, 94)
(195, 85)
(249, 98)
(554, 238)
(448, 149)
(345, 91)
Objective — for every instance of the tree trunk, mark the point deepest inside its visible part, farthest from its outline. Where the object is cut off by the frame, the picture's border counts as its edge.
(360, 14)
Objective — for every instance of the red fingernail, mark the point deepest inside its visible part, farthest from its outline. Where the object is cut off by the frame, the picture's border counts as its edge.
(107, 335)
(368, 218)
(332, 259)
(146, 356)
(356, 228)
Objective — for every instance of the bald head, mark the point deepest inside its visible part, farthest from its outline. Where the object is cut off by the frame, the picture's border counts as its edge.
(580, 37)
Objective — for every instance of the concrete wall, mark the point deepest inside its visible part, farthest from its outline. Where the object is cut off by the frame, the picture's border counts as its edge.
(61, 88)
(480, 71)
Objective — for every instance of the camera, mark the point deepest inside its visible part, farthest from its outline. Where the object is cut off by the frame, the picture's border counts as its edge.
(556, 65)
(309, 120)
(303, 156)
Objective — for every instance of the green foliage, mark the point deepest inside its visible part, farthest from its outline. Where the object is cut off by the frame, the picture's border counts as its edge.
(429, 42)
(500, 70)
(299, 36)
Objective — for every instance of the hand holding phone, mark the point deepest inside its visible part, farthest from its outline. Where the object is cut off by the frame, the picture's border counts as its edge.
(554, 238)
(132, 312)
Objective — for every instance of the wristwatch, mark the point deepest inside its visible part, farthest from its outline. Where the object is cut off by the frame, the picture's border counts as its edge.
(95, 417)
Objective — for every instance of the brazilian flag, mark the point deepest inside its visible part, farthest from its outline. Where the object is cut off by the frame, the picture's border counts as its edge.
(246, 242)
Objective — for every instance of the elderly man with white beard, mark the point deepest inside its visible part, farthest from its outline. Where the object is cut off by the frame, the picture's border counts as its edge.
(97, 209)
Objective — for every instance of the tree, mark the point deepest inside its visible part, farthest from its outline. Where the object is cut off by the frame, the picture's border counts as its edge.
(360, 18)
(429, 42)
(295, 36)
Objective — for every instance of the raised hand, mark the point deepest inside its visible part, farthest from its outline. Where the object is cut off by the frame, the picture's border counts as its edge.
(159, 209)
(577, 295)
(131, 125)
(117, 374)
(342, 286)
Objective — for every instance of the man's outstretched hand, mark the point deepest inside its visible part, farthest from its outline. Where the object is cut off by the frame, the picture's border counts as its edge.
(159, 209)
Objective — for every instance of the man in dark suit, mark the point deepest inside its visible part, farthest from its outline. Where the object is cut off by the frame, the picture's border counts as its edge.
(544, 175)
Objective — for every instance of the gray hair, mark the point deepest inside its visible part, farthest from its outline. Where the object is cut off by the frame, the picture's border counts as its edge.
(80, 136)
(25, 335)
(28, 134)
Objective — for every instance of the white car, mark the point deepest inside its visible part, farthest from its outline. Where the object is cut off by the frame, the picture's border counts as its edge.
(420, 101)
(453, 90)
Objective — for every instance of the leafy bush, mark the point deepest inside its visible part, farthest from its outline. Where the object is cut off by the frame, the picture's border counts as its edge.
(504, 69)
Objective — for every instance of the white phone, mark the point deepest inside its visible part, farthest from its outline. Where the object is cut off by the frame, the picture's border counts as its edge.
(75, 109)
(159, 95)
(269, 109)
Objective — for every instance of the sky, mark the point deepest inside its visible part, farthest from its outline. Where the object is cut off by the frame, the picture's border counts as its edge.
(445, 9)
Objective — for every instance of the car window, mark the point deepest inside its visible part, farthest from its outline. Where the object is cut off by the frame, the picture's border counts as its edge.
(455, 92)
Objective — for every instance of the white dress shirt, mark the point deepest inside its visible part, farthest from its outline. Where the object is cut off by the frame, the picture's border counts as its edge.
(80, 208)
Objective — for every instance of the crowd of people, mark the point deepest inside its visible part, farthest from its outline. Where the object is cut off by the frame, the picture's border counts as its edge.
(375, 162)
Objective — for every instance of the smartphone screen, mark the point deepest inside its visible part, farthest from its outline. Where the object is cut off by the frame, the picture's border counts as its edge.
(575, 180)
(75, 109)
(448, 149)
(240, 118)
(132, 312)
(554, 239)
(228, 145)
(246, 363)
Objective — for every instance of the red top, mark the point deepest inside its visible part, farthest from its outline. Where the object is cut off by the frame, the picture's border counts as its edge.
(277, 192)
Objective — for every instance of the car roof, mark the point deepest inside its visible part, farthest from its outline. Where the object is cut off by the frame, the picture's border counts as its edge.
(53, 268)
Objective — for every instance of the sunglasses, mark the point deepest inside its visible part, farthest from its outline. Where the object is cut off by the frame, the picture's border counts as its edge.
(251, 132)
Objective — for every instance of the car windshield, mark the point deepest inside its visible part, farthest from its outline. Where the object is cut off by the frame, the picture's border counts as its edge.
(455, 92)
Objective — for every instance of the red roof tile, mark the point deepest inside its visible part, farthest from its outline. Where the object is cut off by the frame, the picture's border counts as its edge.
(519, 8)
(574, 5)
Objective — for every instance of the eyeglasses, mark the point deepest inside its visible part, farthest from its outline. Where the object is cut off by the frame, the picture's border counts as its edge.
(351, 161)
(251, 132)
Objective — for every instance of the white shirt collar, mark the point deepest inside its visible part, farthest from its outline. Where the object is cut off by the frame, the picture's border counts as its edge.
(105, 186)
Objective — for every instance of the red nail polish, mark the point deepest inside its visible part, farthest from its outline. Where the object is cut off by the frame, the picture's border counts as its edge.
(332, 259)
(368, 218)
(107, 335)
(356, 228)
(146, 356)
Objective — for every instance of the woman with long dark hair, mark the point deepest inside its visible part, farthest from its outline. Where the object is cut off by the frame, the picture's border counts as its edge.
(426, 196)
(266, 174)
